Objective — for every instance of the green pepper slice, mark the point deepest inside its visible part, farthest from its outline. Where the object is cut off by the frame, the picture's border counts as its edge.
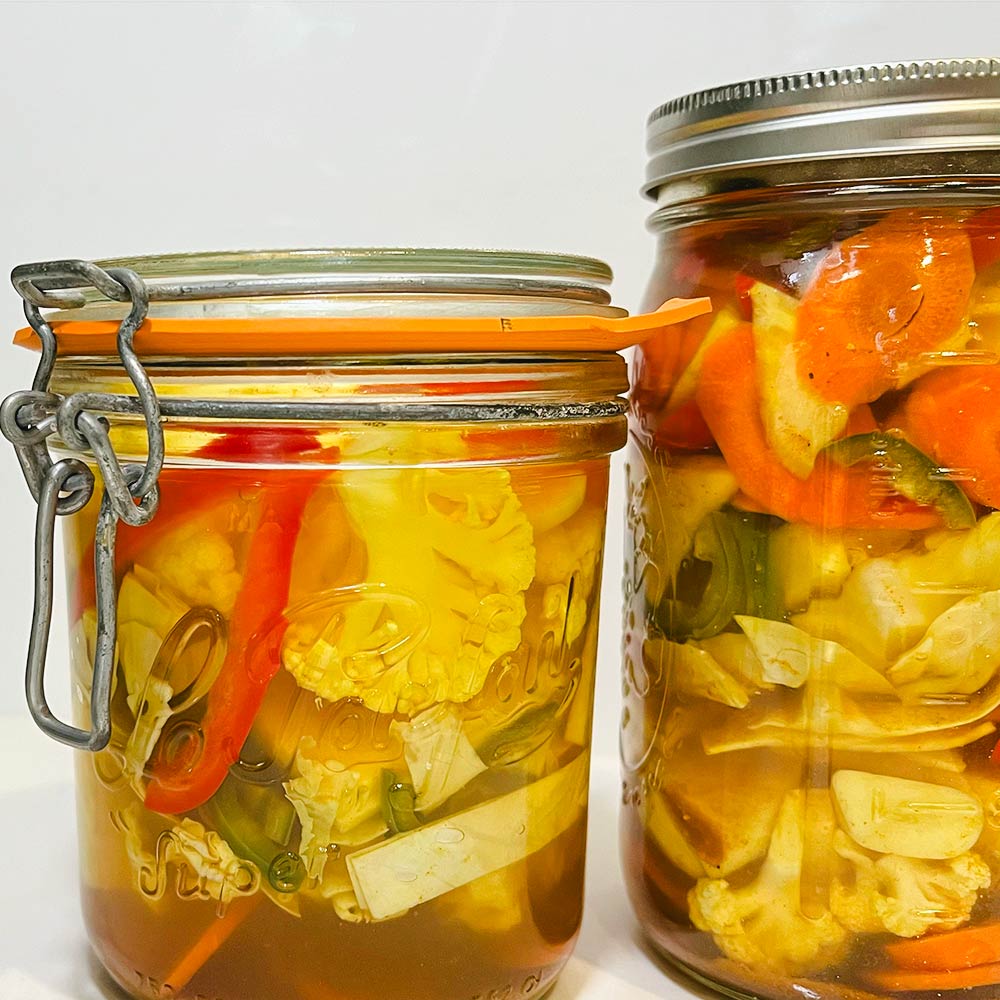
(727, 573)
(908, 472)
(242, 825)
(398, 804)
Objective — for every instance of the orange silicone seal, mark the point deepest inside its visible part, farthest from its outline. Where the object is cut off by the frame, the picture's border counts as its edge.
(291, 337)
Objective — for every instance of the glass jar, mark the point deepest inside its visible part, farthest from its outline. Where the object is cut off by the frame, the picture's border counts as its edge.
(333, 569)
(812, 648)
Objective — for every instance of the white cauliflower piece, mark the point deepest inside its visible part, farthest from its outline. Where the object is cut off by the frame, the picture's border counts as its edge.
(761, 923)
(205, 864)
(874, 893)
(218, 873)
(336, 805)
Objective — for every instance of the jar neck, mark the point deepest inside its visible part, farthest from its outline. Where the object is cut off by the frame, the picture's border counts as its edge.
(873, 184)
(511, 379)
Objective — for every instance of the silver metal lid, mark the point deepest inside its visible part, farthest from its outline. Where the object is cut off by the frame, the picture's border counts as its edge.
(855, 123)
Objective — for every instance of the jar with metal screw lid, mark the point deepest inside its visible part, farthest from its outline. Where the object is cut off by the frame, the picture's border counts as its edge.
(812, 648)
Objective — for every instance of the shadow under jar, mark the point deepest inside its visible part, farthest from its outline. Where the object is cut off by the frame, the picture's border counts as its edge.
(340, 713)
(812, 648)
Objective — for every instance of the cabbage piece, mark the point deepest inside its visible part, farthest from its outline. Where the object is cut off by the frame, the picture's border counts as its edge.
(887, 604)
(790, 657)
(960, 653)
(692, 670)
(415, 867)
(439, 756)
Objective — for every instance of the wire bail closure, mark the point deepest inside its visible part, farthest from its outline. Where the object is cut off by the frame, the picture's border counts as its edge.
(27, 419)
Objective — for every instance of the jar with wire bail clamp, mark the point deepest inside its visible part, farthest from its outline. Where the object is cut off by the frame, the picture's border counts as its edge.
(812, 648)
(333, 533)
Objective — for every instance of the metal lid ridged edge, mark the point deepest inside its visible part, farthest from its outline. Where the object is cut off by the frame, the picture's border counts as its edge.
(825, 79)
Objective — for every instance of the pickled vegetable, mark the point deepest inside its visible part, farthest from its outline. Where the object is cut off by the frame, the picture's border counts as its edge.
(812, 768)
(351, 719)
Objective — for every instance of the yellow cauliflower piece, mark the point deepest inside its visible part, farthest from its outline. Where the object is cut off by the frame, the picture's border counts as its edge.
(336, 805)
(449, 556)
(199, 564)
(761, 923)
(874, 893)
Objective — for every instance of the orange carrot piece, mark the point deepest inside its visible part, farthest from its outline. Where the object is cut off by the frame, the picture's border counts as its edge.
(832, 496)
(881, 298)
(953, 415)
(904, 981)
(949, 951)
(214, 937)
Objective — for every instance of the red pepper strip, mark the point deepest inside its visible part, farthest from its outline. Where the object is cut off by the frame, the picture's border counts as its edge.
(832, 496)
(186, 776)
(183, 495)
(186, 492)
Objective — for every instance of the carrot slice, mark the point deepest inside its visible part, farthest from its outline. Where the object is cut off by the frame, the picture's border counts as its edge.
(881, 299)
(953, 415)
(832, 496)
(949, 951)
(896, 981)
(214, 937)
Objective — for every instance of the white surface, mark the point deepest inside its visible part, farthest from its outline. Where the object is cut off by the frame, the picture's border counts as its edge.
(139, 127)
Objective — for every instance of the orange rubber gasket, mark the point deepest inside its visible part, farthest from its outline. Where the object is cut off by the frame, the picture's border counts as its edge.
(265, 337)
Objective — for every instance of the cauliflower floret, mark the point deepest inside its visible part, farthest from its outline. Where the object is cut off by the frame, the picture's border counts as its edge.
(200, 565)
(218, 872)
(569, 558)
(456, 543)
(873, 893)
(206, 866)
(336, 805)
(762, 923)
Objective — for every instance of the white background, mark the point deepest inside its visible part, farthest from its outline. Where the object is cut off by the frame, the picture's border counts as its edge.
(137, 127)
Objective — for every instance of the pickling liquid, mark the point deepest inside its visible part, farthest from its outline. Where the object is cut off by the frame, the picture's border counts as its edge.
(812, 610)
(405, 814)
